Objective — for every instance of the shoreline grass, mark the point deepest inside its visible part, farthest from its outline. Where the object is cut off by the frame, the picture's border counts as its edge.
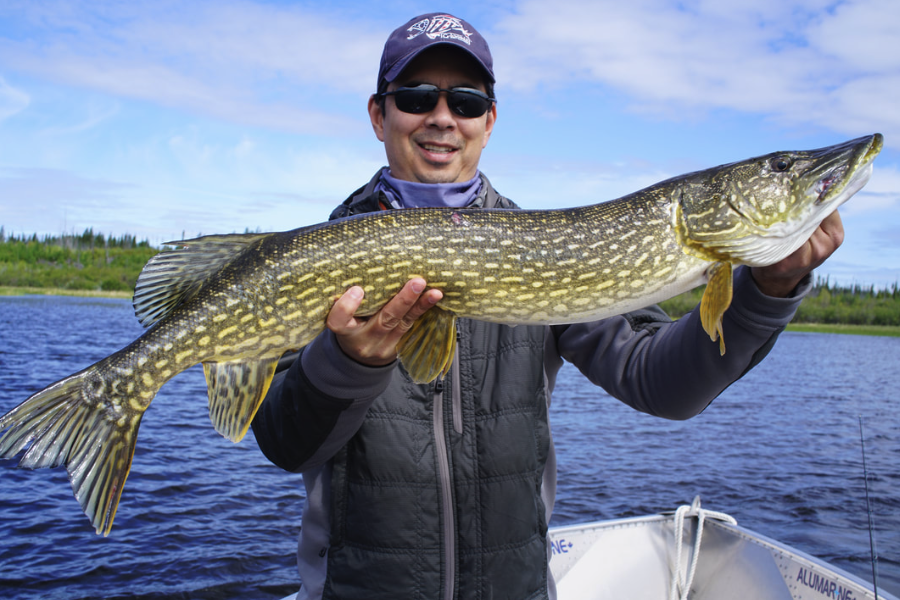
(876, 330)
(6, 290)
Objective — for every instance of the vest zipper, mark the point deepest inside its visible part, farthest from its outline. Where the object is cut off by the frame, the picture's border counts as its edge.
(447, 509)
(456, 393)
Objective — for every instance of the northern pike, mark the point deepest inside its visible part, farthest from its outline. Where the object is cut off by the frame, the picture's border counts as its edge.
(236, 303)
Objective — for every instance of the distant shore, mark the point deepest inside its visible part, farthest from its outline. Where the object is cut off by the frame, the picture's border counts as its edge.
(880, 330)
(33, 291)
(877, 330)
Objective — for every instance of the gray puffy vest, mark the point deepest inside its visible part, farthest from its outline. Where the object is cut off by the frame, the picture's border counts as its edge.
(441, 487)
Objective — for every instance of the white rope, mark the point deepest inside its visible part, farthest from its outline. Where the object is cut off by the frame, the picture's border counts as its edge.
(682, 579)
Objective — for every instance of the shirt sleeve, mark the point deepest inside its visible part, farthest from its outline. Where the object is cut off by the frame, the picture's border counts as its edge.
(316, 404)
(673, 369)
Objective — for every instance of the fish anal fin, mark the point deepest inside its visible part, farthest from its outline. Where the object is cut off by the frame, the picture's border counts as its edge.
(236, 390)
(427, 349)
(716, 300)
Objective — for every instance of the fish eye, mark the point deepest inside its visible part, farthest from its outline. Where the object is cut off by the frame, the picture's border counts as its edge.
(781, 163)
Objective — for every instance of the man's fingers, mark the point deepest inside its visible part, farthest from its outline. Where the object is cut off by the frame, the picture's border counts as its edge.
(340, 318)
(395, 312)
(422, 304)
(374, 340)
(408, 305)
(828, 238)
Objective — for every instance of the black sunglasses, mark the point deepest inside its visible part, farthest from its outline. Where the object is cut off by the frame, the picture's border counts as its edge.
(465, 102)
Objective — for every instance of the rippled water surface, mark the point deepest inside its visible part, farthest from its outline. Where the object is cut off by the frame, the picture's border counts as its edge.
(204, 518)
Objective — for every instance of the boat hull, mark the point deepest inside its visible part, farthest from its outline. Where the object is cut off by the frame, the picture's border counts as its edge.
(638, 558)
(635, 558)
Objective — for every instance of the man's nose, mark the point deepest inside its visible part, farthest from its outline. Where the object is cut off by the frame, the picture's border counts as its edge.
(441, 116)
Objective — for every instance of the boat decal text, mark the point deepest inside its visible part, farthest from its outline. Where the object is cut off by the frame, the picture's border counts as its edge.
(824, 586)
(561, 546)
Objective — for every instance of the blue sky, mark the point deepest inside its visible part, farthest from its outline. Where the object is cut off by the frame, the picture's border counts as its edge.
(163, 119)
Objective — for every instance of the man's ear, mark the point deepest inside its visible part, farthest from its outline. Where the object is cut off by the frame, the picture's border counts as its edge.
(376, 115)
(489, 126)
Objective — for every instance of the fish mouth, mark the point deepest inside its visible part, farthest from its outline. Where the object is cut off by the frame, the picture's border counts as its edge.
(846, 168)
(827, 182)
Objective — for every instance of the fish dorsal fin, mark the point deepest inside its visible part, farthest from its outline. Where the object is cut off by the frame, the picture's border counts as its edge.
(716, 300)
(426, 350)
(175, 276)
(236, 389)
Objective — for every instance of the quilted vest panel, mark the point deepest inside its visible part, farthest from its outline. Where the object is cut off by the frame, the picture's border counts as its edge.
(388, 520)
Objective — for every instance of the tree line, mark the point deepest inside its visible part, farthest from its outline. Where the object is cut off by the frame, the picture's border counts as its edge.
(87, 240)
(90, 261)
(827, 302)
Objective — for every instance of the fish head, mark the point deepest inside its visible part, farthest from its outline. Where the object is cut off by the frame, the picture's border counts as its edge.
(758, 211)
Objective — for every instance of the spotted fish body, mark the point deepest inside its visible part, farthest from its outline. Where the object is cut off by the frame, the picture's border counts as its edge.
(236, 303)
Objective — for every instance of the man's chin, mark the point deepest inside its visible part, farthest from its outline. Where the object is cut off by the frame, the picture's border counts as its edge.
(442, 176)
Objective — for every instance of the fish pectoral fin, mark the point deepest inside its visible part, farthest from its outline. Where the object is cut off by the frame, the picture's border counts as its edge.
(95, 444)
(236, 389)
(426, 350)
(716, 300)
(173, 277)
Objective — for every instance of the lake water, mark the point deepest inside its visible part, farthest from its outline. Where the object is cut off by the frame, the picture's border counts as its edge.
(204, 518)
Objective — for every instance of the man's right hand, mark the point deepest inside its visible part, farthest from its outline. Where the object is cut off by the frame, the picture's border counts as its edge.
(373, 340)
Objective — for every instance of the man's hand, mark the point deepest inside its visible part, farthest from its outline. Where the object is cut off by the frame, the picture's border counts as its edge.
(780, 279)
(373, 340)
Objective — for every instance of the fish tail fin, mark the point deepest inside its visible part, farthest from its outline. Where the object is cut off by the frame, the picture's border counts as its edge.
(65, 425)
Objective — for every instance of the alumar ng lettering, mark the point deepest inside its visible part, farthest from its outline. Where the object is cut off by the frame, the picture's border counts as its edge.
(823, 585)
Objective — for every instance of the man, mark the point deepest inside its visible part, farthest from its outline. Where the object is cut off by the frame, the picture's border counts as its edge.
(445, 490)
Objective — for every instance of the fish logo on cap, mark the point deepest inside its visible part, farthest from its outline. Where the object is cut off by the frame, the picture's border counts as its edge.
(445, 27)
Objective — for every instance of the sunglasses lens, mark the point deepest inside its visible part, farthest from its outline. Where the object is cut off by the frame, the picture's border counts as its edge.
(416, 101)
(468, 104)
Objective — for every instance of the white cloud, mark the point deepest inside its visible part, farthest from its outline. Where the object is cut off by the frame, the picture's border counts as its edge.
(260, 166)
(290, 67)
(799, 62)
(90, 116)
(40, 200)
(12, 100)
(880, 194)
(541, 183)
(257, 64)
(862, 35)
(208, 39)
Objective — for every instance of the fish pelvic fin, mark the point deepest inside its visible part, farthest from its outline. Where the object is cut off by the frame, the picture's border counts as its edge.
(716, 300)
(236, 390)
(173, 277)
(64, 427)
(426, 350)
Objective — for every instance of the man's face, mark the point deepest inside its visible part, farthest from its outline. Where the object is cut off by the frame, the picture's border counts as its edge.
(439, 146)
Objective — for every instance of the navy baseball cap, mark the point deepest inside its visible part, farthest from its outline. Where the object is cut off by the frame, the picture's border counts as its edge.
(409, 40)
